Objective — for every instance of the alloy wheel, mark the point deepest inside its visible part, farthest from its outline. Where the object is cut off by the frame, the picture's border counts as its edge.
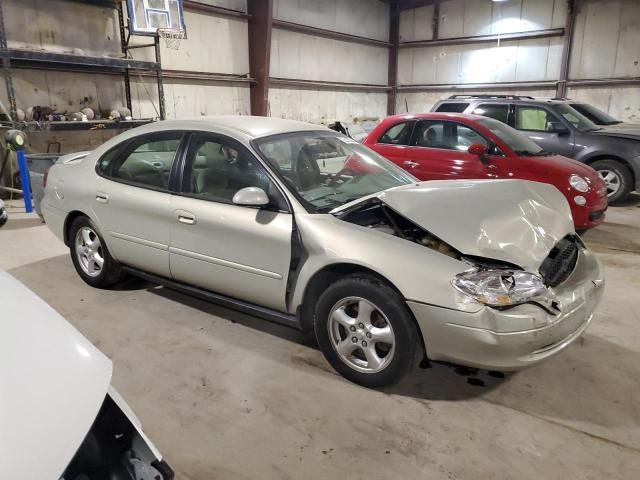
(361, 335)
(612, 181)
(89, 251)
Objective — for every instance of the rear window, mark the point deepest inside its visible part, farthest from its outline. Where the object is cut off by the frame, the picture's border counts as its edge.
(453, 107)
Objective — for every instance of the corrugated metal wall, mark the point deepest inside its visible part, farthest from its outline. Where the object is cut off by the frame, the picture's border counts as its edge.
(606, 44)
(308, 57)
(215, 44)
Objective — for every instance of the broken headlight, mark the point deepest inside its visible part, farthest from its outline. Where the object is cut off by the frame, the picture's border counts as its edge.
(499, 288)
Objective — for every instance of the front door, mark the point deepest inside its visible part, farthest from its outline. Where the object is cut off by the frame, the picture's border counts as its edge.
(536, 123)
(393, 143)
(238, 251)
(438, 151)
(131, 200)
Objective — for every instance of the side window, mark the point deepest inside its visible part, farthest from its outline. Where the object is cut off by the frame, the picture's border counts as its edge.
(145, 161)
(445, 135)
(533, 118)
(398, 134)
(216, 169)
(452, 107)
(498, 111)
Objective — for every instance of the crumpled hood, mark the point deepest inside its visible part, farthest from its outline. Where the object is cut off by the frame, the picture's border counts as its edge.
(52, 384)
(515, 221)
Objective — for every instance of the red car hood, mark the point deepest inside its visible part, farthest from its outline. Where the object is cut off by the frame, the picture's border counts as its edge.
(559, 166)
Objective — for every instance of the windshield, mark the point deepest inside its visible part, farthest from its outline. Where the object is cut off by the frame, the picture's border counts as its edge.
(594, 114)
(576, 119)
(327, 170)
(516, 141)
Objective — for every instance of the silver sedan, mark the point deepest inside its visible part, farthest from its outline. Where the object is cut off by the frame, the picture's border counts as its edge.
(303, 226)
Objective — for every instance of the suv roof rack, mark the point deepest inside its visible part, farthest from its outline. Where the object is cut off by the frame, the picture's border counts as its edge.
(512, 97)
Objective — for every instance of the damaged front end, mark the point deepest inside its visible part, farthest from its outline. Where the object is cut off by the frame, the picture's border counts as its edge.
(375, 214)
(500, 280)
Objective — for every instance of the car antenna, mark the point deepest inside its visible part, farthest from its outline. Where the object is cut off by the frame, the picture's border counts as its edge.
(406, 104)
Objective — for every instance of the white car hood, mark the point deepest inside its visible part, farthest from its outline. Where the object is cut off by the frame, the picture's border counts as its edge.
(514, 221)
(52, 384)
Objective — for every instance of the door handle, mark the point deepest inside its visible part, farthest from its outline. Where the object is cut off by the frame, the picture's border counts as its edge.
(186, 217)
(102, 197)
(410, 163)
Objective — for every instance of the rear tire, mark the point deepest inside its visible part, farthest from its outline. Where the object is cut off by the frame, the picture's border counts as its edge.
(366, 331)
(617, 177)
(90, 255)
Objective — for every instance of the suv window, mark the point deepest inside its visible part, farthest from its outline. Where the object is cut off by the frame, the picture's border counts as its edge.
(445, 135)
(499, 112)
(453, 107)
(215, 169)
(533, 118)
(399, 134)
(145, 161)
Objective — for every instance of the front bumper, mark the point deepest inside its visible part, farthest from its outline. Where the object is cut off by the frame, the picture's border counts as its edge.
(517, 337)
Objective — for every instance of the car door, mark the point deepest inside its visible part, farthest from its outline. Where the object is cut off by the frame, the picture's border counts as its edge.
(438, 151)
(539, 124)
(393, 143)
(238, 251)
(131, 200)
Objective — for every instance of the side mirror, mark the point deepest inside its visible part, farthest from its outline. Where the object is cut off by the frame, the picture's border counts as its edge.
(557, 127)
(480, 151)
(251, 197)
(477, 149)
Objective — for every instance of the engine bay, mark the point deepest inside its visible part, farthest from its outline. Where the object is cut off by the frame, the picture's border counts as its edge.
(376, 215)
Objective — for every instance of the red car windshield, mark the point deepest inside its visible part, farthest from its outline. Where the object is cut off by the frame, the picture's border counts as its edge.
(516, 141)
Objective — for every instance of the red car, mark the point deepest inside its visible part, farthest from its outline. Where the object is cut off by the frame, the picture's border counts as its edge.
(437, 146)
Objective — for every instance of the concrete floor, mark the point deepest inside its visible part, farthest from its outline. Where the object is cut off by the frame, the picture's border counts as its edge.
(227, 396)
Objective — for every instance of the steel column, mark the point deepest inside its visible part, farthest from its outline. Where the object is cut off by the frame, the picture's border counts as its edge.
(561, 89)
(260, 26)
(394, 40)
(161, 105)
(123, 45)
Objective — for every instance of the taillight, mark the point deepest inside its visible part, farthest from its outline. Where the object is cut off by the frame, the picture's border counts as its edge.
(44, 179)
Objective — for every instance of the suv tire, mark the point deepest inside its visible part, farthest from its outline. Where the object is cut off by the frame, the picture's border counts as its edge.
(366, 331)
(618, 178)
(90, 255)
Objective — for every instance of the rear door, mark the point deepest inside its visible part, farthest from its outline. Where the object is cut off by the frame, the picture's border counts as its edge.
(393, 143)
(438, 151)
(535, 122)
(238, 251)
(131, 200)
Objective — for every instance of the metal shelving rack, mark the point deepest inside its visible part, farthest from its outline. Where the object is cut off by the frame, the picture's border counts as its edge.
(21, 58)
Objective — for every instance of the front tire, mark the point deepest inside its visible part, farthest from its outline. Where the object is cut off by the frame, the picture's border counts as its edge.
(366, 331)
(90, 255)
(617, 178)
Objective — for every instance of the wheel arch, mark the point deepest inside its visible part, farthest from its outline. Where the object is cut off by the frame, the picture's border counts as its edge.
(325, 277)
(329, 274)
(69, 221)
(602, 156)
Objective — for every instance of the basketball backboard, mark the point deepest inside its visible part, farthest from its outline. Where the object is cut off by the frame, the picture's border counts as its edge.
(147, 16)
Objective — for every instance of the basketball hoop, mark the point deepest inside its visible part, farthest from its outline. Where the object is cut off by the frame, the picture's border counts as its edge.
(172, 37)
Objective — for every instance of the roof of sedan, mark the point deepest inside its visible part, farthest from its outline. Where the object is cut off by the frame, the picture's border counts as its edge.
(438, 116)
(251, 126)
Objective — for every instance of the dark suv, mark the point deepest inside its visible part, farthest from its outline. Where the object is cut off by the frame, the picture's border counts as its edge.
(560, 129)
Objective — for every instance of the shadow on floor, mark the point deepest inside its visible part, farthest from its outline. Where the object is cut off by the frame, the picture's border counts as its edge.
(592, 382)
(20, 223)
